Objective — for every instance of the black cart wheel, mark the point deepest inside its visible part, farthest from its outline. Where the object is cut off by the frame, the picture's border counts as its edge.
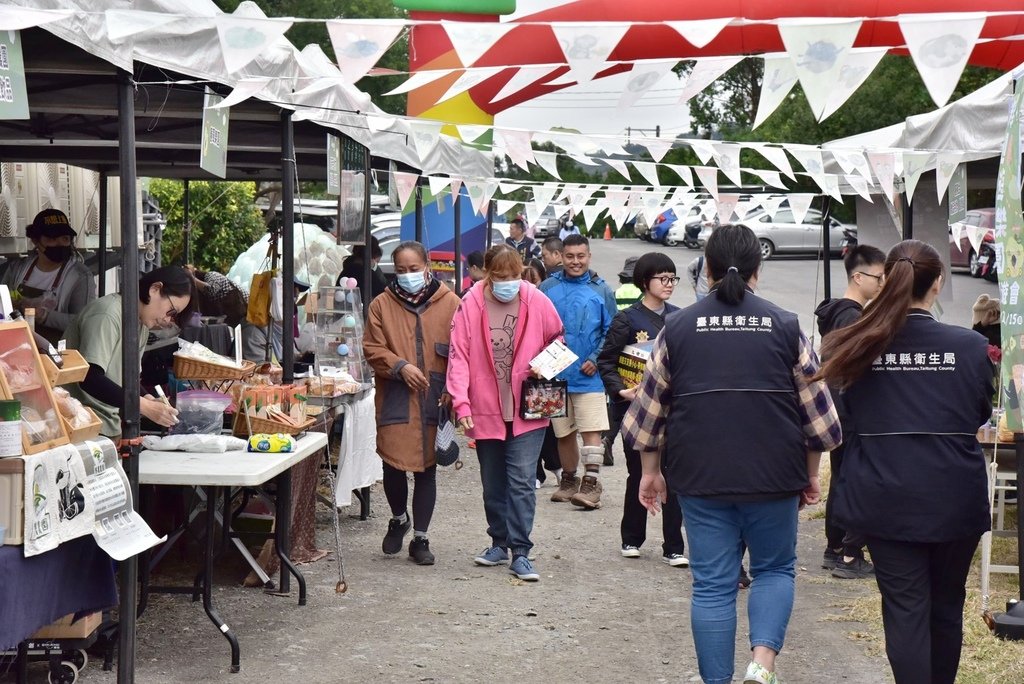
(79, 658)
(65, 673)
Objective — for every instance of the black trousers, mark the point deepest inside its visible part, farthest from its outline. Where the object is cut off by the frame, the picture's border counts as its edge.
(548, 458)
(424, 495)
(837, 538)
(923, 592)
(634, 516)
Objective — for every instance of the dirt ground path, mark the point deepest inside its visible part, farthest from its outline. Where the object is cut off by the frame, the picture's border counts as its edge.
(593, 617)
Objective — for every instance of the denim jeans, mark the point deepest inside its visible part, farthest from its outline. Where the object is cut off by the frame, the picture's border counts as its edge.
(717, 531)
(508, 471)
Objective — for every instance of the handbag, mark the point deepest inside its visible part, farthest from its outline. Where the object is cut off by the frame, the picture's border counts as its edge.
(258, 312)
(446, 449)
(543, 399)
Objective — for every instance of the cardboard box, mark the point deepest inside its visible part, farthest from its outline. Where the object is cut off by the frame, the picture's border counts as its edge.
(12, 500)
(632, 362)
(66, 629)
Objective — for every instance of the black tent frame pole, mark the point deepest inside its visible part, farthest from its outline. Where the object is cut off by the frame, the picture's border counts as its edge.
(101, 263)
(129, 360)
(186, 222)
(419, 213)
(287, 247)
(826, 241)
(367, 293)
(908, 217)
(457, 224)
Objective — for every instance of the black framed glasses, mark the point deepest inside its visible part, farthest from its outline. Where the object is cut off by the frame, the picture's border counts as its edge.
(871, 275)
(668, 281)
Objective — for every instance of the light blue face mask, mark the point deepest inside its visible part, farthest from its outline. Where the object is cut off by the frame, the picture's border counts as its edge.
(412, 282)
(505, 290)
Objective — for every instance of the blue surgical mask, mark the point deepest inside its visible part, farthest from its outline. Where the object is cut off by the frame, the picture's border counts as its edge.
(505, 290)
(412, 282)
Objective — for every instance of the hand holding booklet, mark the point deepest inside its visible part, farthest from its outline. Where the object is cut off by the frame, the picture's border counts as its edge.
(554, 359)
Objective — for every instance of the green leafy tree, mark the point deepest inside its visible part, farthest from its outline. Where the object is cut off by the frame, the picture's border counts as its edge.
(304, 33)
(224, 217)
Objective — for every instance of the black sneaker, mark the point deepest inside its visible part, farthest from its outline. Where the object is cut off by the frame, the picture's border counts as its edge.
(609, 458)
(744, 578)
(392, 543)
(419, 551)
(831, 558)
(858, 568)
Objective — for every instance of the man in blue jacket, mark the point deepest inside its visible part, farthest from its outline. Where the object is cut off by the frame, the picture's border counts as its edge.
(587, 306)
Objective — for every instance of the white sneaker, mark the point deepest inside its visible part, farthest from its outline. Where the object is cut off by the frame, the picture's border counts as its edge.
(629, 551)
(676, 560)
(756, 674)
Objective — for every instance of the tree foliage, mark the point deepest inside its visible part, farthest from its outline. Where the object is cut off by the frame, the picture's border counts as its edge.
(304, 33)
(225, 221)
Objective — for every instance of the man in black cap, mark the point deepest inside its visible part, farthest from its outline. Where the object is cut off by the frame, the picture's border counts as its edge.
(53, 280)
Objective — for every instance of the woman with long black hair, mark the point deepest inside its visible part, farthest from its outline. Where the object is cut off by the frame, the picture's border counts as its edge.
(914, 480)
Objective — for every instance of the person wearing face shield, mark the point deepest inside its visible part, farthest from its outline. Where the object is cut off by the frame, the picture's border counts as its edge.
(501, 325)
(406, 344)
(54, 280)
(166, 297)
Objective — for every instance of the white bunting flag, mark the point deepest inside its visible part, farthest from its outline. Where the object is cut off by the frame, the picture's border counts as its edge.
(649, 170)
(120, 23)
(471, 132)
(703, 149)
(502, 207)
(705, 72)
(819, 48)
(507, 188)
(777, 157)
(657, 147)
(470, 78)
(475, 190)
(956, 231)
(684, 173)
(699, 32)
(772, 203)
(809, 158)
(592, 214)
(940, 45)
(728, 159)
(525, 77)
(516, 145)
(708, 176)
(488, 192)
(772, 178)
(420, 79)
(584, 160)
(619, 165)
(611, 147)
(242, 91)
(548, 162)
(975, 235)
(859, 64)
(725, 205)
(243, 39)
(779, 79)
(586, 46)
(359, 43)
(543, 194)
(945, 167)
(829, 183)
(471, 39)
(438, 185)
(641, 79)
(884, 166)
(456, 186)
(859, 185)
(580, 195)
(405, 184)
(853, 161)
(914, 164)
(799, 204)
(425, 136)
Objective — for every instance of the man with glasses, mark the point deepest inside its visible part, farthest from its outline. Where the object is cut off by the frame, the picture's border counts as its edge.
(865, 268)
(586, 305)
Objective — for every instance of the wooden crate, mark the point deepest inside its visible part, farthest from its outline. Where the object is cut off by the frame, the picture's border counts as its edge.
(90, 431)
(17, 346)
(74, 370)
(66, 629)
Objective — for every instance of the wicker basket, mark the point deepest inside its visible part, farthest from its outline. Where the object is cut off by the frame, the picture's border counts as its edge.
(262, 425)
(192, 369)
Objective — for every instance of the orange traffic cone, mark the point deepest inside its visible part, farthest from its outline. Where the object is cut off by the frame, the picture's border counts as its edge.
(607, 231)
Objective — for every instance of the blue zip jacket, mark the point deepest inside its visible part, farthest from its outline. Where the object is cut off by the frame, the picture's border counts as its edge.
(587, 307)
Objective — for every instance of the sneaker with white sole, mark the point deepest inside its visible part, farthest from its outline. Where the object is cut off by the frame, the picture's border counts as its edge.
(630, 551)
(493, 555)
(522, 568)
(676, 560)
(757, 674)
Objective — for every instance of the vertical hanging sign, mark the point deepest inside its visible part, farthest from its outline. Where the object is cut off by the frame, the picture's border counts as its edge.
(213, 156)
(1009, 234)
(333, 164)
(958, 195)
(13, 93)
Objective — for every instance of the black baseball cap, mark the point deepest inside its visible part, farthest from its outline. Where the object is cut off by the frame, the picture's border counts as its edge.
(50, 223)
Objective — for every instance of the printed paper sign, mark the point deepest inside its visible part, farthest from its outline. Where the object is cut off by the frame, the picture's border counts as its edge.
(958, 195)
(13, 92)
(1009, 234)
(555, 358)
(213, 155)
(333, 164)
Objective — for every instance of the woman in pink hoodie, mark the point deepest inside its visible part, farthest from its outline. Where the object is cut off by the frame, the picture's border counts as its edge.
(502, 323)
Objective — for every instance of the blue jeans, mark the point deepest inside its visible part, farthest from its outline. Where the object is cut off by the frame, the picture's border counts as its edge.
(508, 471)
(717, 531)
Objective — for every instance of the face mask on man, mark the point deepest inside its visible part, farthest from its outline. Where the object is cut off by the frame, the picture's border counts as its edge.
(412, 282)
(505, 290)
(58, 253)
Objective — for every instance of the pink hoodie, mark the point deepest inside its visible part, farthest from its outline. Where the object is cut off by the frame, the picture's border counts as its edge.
(472, 381)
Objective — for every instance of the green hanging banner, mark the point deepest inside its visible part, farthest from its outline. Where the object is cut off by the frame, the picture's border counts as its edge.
(13, 92)
(1009, 234)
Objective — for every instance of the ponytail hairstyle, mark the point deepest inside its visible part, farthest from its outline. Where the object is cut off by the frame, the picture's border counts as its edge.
(733, 255)
(911, 269)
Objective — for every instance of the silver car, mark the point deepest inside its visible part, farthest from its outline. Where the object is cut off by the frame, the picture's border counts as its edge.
(783, 235)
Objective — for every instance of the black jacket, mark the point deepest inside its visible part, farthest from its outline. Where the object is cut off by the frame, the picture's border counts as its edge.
(356, 269)
(623, 332)
(836, 313)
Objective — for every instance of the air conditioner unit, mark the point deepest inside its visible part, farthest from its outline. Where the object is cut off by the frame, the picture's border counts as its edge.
(50, 183)
(85, 208)
(13, 208)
